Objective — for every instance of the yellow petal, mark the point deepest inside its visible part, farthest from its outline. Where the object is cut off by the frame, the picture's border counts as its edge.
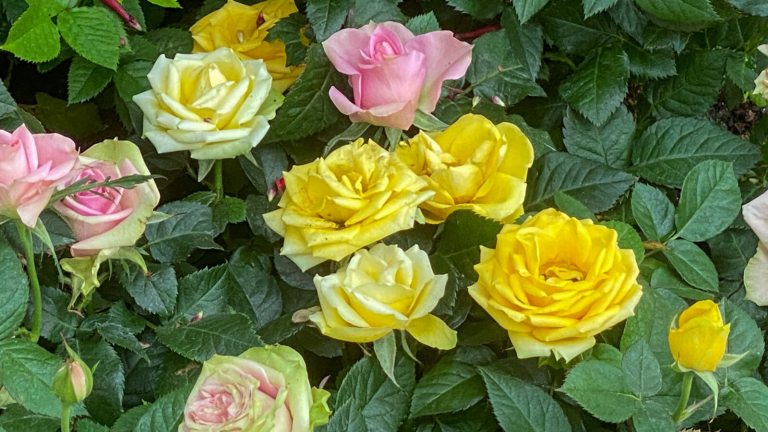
(432, 331)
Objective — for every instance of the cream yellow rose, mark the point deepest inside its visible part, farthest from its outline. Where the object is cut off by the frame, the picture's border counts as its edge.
(380, 290)
(761, 82)
(334, 206)
(244, 28)
(473, 165)
(554, 282)
(211, 104)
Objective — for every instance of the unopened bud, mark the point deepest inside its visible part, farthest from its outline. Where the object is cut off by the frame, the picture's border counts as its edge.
(73, 382)
(497, 100)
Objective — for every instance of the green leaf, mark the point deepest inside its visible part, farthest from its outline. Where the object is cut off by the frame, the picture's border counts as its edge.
(424, 23)
(731, 251)
(307, 109)
(653, 416)
(156, 291)
(745, 337)
(692, 264)
(653, 316)
(654, 64)
(87, 425)
(665, 278)
(16, 418)
(641, 369)
(478, 9)
(58, 320)
(131, 79)
(129, 419)
(572, 207)
(592, 183)
(7, 104)
(327, 16)
(189, 227)
(449, 386)
(602, 390)
(92, 33)
(752, 7)
(228, 210)
(364, 11)
(683, 11)
(593, 7)
(670, 148)
(458, 243)
(254, 291)
(520, 406)
(386, 353)
(527, 8)
(566, 26)
(629, 18)
(14, 290)
(86, 80)
(740, 69)
(105, 403)
(653, 212)
(628, 238)
(288, 30)
(224, 334)
(170, 41)
(526, 41)
(748, 399)
(599, 85)
(607, 144)
(709, 202)
(26, 372)
(693, 90)
(166, 3)
(166, 413)
(33, 37)
(75, 121)
(203, 291)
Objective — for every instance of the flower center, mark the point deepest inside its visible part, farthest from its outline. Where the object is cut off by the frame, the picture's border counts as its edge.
(562, 273)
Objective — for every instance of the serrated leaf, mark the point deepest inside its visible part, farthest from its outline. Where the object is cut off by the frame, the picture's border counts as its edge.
(92, 33)
(88, 425)
(171, 41)
(607, 144)
(653, 416)
(86, 80)
(228, 210)
(327, 16)
(653, 212)
(386, 353)
(478, 9)
(155, 292)
(203, 292)
(129, 419)
(458, 243)
(526, 42)
(683, 11)
(131, 79)
(423, 23)
(566, 26)
(731, 251)
(520, 406)
(165, 413)
(572, 207)
(692, 264)
(224, 334)
(14, 290)
(710, 200)
(253, 291)
(628, 238)
(288, 30)
(599, 85)
(740, 69)
(693, 90)
(642, 369)
(527, 8)
(364, 11)
(189, 227)
(752, 7)
(602, 390)
(670, 148)
(748, 399)
(26, 372)
(653, 316)
(746, 338)
(166, 3)
(7, 104)
(33, 36)
(629, 18)
(16, 418)
(592, 183)
(58, 320)
(593, 7)
(105, 402)
(451, 385)
(654, 64)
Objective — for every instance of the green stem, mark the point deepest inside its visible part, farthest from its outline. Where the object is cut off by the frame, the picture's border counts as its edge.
(684, 395)
(65, 408)
(37, 298)
(218, 179)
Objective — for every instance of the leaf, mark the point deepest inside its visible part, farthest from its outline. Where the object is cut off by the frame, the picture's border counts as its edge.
(105, 402)
(131, 79)
(228, 210)
(16, 418)
(731, 251)
(26, 372)
(7, 104)
(202, 292)
(386, 352)
(423, 23)
(92, 33)
(156, 291)
(745, 337)
(129, 419)
(629, 18)
(641, 369)
(449, 386)
(289, 31)
(14, 290)
(607, 144)
(87, 425)
(527, 8)
(170, 41)
(653, 416)
(670, 148)
(166, 413)
(58, 320)
(602, 390)
(572, 207)
(628, 238)
(748, 399)
(33, 36)
(683, 11)
(693, 265)
(710, 200)
(752, 7)
(654, 64)
(364, 11)
(458, 243)
(166, 3)
(526, 41)
(327, 16)
(224, 334)
(566, 26)
(693, 90)
(520, 406)
(253, 291)
(599, 85)
(189, 227)
(86, 80)
(593, 7)
(307, 109)
(592, 183)
(653, 212)
(478, 10)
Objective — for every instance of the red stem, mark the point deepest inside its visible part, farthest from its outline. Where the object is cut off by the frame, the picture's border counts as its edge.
(474, 34)
(120, 10)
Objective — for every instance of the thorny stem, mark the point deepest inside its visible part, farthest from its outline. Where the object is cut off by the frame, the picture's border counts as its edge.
(474, 34)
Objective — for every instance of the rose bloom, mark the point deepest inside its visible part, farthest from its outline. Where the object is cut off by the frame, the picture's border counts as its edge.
(392, 72)
(356, 196)
(756, 272)
(244, 28)
(211, 104)
(554, 282)
(31, 167)
(699, 340)
(473, 165)
(761, 82)
(380, 290)
(264, 389)
(109, 217)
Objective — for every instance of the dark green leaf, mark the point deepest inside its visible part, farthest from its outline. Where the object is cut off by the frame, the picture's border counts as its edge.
(92, 33)
(203, 292)
(731, 250)
(224, 334)
(26, 372)
(86, 80)
(16, 418)
(748, 399)
(166, 413)
(628, 238)
(608, 144)
(327, 16)
(527, 8)
(745, 337)
(602, 390)
(692, 264)
(451, 385)
(565, 25)
(709, 202)
(526, 41)
(641, 369)
(106, 400)
(288, 30)
(478, 9)
(364, 11)
(171, 41)
(254, 291)
(752, 7)
(572, 207)
(58, 320)
(189, 227)
(424, 23)
(385, 348)
(693, 90)
(155, 292)
(653, 212)
(14, 290)
(651, 64)
(593, 7)
(684, 11)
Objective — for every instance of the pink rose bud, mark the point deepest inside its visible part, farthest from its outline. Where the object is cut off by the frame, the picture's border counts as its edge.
(392, 72)
(73, 382)
(31, 167)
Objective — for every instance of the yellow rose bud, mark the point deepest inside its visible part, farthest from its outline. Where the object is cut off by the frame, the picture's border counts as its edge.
(211, 104)
(244, 28)
(700, 338)
(554, 282)
(356, 196)
(473, 165)
(380, 290)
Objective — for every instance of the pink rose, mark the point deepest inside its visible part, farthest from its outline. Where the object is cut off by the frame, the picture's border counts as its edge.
(392, 72)
(107, 218)
(31, 167)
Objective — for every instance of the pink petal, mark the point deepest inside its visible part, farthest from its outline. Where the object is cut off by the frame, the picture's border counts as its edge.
(446, 58)
(345, 49)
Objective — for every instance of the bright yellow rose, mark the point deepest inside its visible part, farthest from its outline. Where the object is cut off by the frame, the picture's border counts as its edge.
(380, 290)
(356, 196)
(554, 282)
(243, 28)
(211, 104)
(473, 165)
(699, 340)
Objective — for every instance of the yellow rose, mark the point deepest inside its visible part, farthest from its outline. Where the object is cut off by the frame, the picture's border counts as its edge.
(212, 104)
(380, 290)
(699, 341)
(243, 28)
(554, 282)
(356, 196)
(473, 165)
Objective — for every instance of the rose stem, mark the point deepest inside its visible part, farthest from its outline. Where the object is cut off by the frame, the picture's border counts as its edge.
(684, 395)
(218, 179)
(122, 13)
(65, 408)
(29, 254)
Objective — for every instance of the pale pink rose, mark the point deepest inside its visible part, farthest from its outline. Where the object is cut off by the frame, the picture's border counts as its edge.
(392, 72)
(31, 167)
(108, 217)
